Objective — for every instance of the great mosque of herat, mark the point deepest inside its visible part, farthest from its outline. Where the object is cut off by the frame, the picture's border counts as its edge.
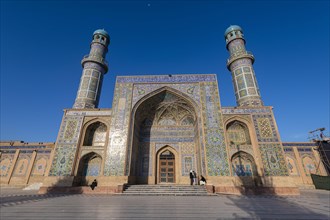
(162, 126)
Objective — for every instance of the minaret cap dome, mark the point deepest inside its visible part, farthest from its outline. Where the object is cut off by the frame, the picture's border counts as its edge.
(233, 28)
(102, 32)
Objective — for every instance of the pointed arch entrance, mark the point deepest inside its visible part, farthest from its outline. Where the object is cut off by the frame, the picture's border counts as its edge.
(167, 164)
(89, 168)
(165, 117)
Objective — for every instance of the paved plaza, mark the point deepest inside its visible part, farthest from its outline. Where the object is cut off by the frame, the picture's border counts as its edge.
(19, 204)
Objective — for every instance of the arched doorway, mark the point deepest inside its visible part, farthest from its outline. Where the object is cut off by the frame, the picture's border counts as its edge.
(166, 164)
(89, 168)
(165, 117)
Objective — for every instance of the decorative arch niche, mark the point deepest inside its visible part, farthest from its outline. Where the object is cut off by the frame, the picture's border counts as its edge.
(309, 165)
(238, 133)
(95, 134)
(165, 116)
(243, 164)
(291, 163)
(89, 167)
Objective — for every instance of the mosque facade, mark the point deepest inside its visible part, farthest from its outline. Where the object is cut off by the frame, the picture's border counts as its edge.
(161, 127)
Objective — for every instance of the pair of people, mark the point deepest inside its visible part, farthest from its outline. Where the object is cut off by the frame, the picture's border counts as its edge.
(193, 179)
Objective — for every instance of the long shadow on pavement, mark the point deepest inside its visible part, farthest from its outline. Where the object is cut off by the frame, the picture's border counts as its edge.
(274, 207)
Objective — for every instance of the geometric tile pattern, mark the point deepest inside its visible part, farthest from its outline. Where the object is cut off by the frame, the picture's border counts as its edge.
(259, 110)
(140, 90)
(265, 128)
(187, 163)
(187, 148)
(116, 150)
(70, 129)
(237, 148)
(216, 154)
(273, 160)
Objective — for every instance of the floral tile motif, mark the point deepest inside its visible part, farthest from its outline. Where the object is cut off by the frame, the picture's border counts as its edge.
(63, 160)
(273, 160)
(216, 153)
(40, 165)
(22, 164)
(6, 162)
(66, 146)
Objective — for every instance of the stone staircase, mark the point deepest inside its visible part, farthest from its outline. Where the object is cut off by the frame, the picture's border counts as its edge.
(165, 190)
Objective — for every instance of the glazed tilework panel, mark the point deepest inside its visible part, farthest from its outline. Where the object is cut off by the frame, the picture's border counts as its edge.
(240, 62)
(188, 163)
(265, 128)
(140, 90)
(66, 146)
(292, 166)
(308, 160)
(121, 108)
(309, 164)
(40, 165)
(273, 160)
(22, 165)
(236, 148)
(145, 159)
(188, 78)
(167, 134)
(187, 148)
(6, 163)
(70, 130)
(216, 154)
(63, 160)
(158, 146)
(228, 110)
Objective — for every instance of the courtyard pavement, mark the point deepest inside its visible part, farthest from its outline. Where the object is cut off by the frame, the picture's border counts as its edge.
(21, 204)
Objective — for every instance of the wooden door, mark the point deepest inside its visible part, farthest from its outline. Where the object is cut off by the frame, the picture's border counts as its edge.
(167, 167)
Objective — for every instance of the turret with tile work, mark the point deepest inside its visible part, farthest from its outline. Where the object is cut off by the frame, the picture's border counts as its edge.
(240, 64)
(95, 66)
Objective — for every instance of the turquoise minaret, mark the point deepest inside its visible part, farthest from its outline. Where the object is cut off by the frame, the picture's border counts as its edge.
(240, 65)
(95, 66)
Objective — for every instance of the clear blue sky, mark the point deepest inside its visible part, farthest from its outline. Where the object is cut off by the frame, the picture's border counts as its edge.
(43, 42)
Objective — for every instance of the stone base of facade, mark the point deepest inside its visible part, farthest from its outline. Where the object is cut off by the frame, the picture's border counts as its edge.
(275, 185)
(82, 190)
(256, 191)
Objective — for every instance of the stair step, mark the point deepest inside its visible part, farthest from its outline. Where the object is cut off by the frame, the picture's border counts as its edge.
(165, 190)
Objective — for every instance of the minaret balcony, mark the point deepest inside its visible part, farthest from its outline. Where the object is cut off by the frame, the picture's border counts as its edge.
(236, 56)
(95, 59)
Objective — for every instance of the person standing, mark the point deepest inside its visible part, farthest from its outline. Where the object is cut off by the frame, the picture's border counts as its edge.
(191, 177)
(195, 178)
